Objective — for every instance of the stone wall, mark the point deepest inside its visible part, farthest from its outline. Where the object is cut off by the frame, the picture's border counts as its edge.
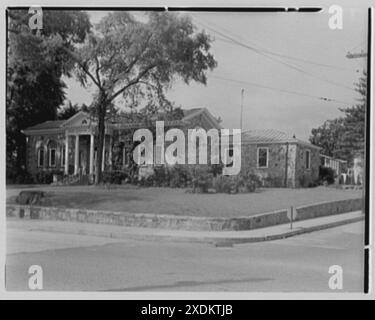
(328, 208)
(183, 222)
(274, 174)
(306, 176)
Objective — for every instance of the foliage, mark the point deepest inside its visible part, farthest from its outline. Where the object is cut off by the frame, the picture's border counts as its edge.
(34, 68)
(201, 178)
(138, 61)
(70, 110)
(17, 176)
(344, 137)
(326, 175)
(306, 181)
(274, 181)
(179, 176)
(46, 177)
(114, 176)
(328, 135)
(234, 184)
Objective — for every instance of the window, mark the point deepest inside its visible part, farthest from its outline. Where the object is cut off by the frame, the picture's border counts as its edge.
(51, 152)
(262, 157)
(307, 159)
(40, 157)
(229, 155)
(52, 157)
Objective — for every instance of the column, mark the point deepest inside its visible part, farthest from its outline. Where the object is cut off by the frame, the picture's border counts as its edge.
(76, 155)
(103, 157)
(66, 154)
(91, 154)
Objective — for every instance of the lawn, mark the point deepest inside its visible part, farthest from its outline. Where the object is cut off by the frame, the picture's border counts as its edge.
(180, 202)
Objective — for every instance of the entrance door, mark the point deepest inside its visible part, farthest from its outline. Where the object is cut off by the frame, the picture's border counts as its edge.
(83, 163)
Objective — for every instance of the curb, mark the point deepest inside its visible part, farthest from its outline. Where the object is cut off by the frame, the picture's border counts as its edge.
(232, 241)
(218, 242)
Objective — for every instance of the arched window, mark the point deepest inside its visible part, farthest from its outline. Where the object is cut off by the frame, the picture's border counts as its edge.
(52, 147)
(41, 157)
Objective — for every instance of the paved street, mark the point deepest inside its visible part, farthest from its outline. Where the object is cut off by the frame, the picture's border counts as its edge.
(81, 262)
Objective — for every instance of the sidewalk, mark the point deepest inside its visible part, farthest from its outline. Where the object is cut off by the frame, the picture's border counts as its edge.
(218, 238)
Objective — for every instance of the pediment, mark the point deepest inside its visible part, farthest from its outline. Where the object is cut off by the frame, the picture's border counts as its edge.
(80, 119)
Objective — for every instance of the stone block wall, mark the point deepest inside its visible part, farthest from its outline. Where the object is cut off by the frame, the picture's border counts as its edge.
(274, 174)
(305, 176)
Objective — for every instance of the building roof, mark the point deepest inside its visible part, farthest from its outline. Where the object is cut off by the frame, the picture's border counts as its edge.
(188, 112)
(121, 121)
(50, 124)
(271, 136)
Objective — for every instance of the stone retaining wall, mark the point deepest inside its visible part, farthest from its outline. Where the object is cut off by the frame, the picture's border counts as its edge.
(182, 222)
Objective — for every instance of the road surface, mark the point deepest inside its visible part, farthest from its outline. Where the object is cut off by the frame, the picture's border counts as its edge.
(87, 263)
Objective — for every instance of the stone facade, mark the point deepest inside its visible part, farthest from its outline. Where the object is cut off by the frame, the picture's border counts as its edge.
(286, 165)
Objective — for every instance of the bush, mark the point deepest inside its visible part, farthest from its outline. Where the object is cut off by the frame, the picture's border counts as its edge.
(114, 177)
(179, 176)
(223, 184)
(247, 182)
(18, 176)
(201, 178)
(43, 177)
(274, 182)
(306, 181)
(326, 175)
(160, 177)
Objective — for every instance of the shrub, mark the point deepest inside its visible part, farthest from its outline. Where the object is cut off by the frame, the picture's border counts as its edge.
(306, 181)
(326, 175)
(160, 177)
(43, 177)
(222, 184)
(179, 176)
(114, 177)
(274, 182)
(201, 178)
(18, 176)
(251, 181)
(247, 182)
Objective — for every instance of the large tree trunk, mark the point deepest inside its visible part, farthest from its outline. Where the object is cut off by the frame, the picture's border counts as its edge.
(101, 113)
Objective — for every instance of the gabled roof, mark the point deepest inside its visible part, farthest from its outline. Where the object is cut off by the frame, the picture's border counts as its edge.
(189, 114)
(271, 136)
(50, 124)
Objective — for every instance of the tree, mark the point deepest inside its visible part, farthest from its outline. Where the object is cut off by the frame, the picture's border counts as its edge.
(327, 136)
(70, 110)
(353, 138)
(139, 60)
(344, 137)
(35, 65)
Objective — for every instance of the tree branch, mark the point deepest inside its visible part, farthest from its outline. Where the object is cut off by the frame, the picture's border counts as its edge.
(97, 70)
(133, 82)
(82, 65)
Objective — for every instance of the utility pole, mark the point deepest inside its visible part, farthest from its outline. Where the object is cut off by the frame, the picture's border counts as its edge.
(242, 92)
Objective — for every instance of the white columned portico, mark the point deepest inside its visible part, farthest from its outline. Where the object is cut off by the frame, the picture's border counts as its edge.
(76, 155)
(91, 169)
(66, 155)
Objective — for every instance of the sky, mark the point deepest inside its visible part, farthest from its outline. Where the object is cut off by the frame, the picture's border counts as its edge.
(298, 61)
